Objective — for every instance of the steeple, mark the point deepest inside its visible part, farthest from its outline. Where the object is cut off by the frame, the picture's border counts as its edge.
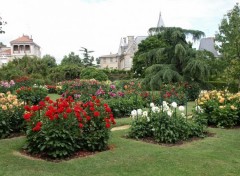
(160, 21)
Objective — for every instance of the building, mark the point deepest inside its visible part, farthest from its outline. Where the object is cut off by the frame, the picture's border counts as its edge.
(18, 48)
(208, 45)
(123, 59)
(24, 46)
(5, 54)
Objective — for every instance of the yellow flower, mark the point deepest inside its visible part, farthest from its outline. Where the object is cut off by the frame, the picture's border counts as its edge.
(8, 93)
(15, 103)
(206, 96)
(10, 106)
(4, 107)
(233, 107)
(221, 107)
(221, 100)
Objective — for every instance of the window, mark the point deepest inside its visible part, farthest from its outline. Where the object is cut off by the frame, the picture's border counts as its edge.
(104, 60)
(111, 60)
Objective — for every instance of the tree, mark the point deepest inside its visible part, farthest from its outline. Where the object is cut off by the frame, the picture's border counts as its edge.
(1, 24)
(168, 57)
(228, 37)
(93, 73)
(87, 59)
(72, 59)
(49, 61)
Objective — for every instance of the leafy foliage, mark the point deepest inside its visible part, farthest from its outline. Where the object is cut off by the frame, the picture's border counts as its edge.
(72, 59)
(167, 57)
(58, 129)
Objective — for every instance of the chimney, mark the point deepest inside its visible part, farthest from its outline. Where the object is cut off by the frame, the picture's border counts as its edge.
(130, 40)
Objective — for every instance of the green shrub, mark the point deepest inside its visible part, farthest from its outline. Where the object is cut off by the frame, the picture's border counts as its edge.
(164, 125)
(218, 85)
(32, 95)
(11, 111)
(122, 107)
(58, 129)
(220, 108)
(93, 73)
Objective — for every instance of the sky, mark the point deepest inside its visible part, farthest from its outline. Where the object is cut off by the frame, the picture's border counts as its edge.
(63, 26)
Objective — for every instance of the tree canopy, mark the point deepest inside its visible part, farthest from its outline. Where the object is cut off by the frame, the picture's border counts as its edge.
(168, 57)
(228, 36)
(72, 59)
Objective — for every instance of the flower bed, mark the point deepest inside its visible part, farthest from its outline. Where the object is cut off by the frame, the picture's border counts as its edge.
(59, 129)
(219, 108)
(164, 125)
(11, 111)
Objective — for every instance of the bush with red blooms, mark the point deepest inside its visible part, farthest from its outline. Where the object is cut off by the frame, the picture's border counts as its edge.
(59, 129)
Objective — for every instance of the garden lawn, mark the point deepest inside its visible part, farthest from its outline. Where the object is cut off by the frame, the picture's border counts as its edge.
(218, 155)
(54, 96)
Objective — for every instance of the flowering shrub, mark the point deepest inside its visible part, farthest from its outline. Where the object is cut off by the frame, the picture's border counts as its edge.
(23, 81)
(11, 111)
(6, 86)
(219, 108)
(164, 125)
(58, 129)
(122, 107)
(174, 92)
(51, 89)
(32, 95)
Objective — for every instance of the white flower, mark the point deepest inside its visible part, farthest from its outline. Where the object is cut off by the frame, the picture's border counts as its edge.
(145, 114)
(139, 112)
(165, 108)
(169, 113)
(134, 113)
(152, 105)
(148, 119)
(174, 104)
(183, 115)
(181, 108)
(153, 129)
(164, 103)
(155, 109)
(199, 109)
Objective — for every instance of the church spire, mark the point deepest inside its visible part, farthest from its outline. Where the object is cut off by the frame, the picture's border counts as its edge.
(160, 21)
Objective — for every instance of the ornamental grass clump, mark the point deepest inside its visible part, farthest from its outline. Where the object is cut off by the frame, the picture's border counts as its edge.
(11, 111)
(59, 129)
(163, 125)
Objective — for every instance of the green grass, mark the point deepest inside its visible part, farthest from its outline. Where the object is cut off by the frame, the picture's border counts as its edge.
(54, 96)
(212, 156)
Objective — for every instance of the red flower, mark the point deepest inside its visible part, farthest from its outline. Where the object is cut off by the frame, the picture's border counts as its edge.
(108, 109)
(27, 108)
(107, 125)
(96, 114)
(37, 127)
(97, 101)
(88, 118)
(27, 116)
(35, 108)
(80, 125)
(91, 104)
(68, 110)
(65, 116)
(47, 98)
(42, 104)
(94, 97)
(92, 108)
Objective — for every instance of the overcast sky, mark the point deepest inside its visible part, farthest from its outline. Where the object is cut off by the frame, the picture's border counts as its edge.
(62, 26)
